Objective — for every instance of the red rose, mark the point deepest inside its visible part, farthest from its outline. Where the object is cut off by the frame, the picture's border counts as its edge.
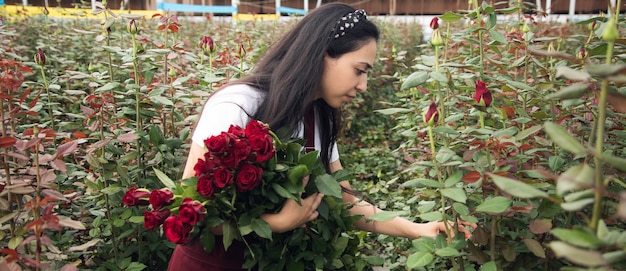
(161, 198)
(176, 231)
(205, 187)
(191, 211)
(482, 95)
(263, 147)
(134, 197)
(218, 144)
(248, 177)
(153, 219)
(242, 150)
(205, 166)
(222, 177)
(236, 131)
(229, 160)
(256, 127)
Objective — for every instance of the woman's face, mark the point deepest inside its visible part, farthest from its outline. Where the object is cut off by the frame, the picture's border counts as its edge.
(346, 75)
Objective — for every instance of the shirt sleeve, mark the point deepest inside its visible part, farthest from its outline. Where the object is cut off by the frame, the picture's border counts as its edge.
(217, 118)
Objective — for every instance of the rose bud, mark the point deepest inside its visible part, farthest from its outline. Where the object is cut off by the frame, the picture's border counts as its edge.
(161, 198)
(432, 115)
(435, 38)
(206, 44)
(242, 51)
(582, 54)
(434, 23)
(610, 32)
(153, 219)
(482, 95)
(40, 57)
(132, 27)
(134, 197)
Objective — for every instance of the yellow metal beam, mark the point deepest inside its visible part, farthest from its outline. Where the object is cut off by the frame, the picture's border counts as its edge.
(12, 11)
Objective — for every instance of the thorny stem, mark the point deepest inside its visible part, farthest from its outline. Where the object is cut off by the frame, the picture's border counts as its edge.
(599, 183)
(47, 88)
(37, 199)
(137, 102)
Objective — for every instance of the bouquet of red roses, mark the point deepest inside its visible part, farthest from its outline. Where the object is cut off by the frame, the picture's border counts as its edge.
(247, 172)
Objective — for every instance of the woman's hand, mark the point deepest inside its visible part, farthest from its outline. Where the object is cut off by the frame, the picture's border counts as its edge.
(433, 228)
(293, 215)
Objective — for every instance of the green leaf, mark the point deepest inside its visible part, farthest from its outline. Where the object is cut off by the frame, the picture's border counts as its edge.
(578, 237)
(261, 228)
(449, 17)
(497, 36)
(455, 178)
(309, 159)
(135, 266)
(392, 111)
(419, 259)
(573, 91)
(457, 194)
(494, 205)
(604, 70)
(415, 79)
(575, 177)
(283, 192)
(588, 258)
(385, 216)
(138, 219)
(563, 139)
(618, 163)
(517, 188)
(165, 180)
(571, 74)
(489, 266)
(535, 247)
(576, 205)
(327, 185)
(229, 234)
(431, 216)
(461, 209)
(447, 252)
(160, 100)
(527, 132)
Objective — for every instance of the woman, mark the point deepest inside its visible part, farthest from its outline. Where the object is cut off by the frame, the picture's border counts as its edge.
(321, 63)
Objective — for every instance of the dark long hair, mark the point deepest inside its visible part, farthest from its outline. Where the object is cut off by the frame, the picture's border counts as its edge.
(290, 72)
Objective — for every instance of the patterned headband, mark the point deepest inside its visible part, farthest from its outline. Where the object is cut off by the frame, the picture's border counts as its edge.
(348, 21)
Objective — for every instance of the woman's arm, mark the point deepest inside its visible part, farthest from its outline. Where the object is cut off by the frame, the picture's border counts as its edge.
(399, 227)
(291, 215)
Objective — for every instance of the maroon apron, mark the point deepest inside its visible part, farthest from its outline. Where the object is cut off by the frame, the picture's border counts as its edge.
(193, 257)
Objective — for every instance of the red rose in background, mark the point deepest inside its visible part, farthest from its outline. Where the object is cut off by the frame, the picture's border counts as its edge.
(248, 177)
(262, 146)
(134, 197)
(176, 231)
(256, 127)
(482, 95)
(222, 177)
(153, 219)
(161, 198)
(190, 212)
(205, 187)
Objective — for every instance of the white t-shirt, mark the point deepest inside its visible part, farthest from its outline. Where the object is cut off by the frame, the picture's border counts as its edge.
(232, 105)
